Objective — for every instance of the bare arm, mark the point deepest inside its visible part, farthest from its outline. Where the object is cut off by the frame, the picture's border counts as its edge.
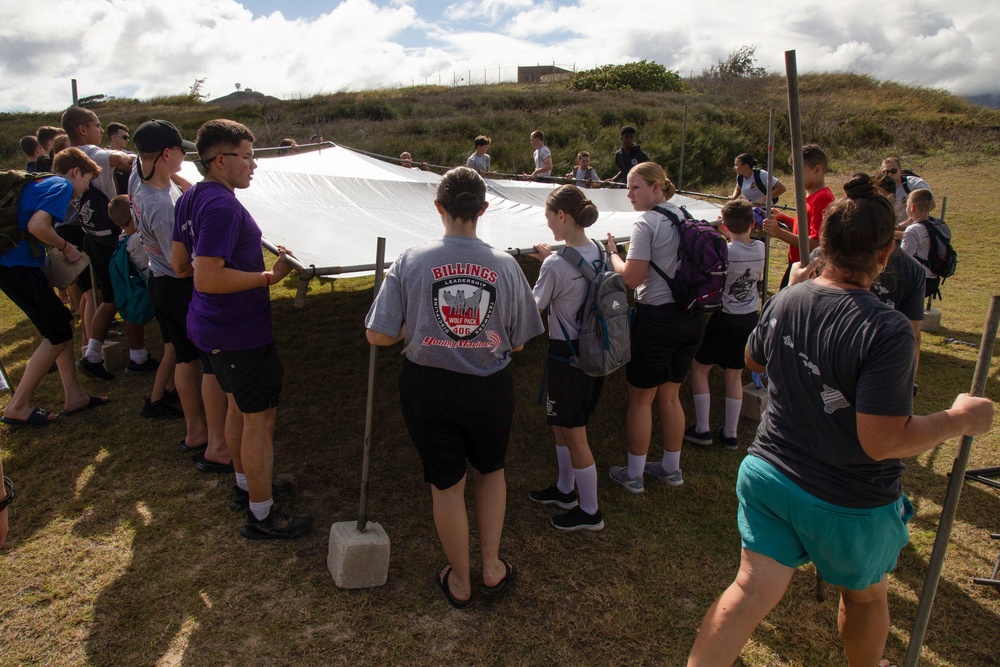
(40, 226)
(751, 363)
(382, 340)
(180, 260)
(916, 324)
(777, 190)
(119, 160)
(885, 437)
(632, 270)
(181, 182)
(212, 276)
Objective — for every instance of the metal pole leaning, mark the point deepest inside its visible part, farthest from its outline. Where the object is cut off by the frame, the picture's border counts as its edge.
(950, 507)
(684, 129)
(370, 407)
(767, 204)
(795, 123)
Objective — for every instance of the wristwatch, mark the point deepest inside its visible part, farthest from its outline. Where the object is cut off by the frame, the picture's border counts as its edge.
(9, 487)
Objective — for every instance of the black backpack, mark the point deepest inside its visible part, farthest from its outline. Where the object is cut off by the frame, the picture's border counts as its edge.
(702, 262)
(759, 180)
(905, 182)
(11, 184)
(942, 259)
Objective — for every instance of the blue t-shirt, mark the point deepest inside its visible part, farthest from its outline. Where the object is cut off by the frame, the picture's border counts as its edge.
(51, 195)
(211, 222)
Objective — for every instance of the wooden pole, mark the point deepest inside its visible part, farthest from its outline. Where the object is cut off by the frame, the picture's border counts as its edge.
(684, 128)
(767, 205)
(795, 122)
(370, 407)
(950, 507)
(76, 98)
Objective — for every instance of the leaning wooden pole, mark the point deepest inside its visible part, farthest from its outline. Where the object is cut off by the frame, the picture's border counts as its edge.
(798, 167)
(370, 407)
(767, 205)
(684, 130)
(936, 563)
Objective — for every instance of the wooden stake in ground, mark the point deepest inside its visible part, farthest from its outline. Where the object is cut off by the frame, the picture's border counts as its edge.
(936, 563)
(798, 167)
(767, 206)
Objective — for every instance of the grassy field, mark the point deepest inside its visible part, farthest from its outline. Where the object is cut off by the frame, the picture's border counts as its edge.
(122, 553)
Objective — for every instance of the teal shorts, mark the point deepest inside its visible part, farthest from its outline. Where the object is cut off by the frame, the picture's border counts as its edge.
(851, 547)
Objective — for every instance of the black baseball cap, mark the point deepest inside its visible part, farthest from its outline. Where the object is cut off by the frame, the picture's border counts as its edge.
(154, 136)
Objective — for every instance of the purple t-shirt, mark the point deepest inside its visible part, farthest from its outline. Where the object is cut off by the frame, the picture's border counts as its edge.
(211, 222)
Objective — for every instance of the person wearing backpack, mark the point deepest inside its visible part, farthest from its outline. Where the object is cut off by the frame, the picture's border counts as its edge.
(752, 182)
(727, 332)
(571, 395)
(899, 183)
(22, 280)
(665, 335)
(927, 239)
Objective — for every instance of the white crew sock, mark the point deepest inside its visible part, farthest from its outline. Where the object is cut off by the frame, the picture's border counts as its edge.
(261, 510)
(94, 349)
(138, 356)
(671, 461)
(241, 481)
(702, 408)
(586, 486)
(566, 478)
(636, 466)
(733, 408)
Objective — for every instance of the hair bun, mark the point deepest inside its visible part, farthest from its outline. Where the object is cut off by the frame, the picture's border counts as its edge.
(468, 199)
(860, 186)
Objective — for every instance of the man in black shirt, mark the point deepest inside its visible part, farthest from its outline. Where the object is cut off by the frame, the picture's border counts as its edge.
(628, 155)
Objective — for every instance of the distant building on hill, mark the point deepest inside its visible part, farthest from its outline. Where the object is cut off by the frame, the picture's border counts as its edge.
(242, 98)
(542, 74)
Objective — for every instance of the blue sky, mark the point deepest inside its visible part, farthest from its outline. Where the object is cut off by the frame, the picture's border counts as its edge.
(147, 48)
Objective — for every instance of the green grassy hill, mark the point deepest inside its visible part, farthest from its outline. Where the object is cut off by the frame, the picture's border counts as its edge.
(856, 118)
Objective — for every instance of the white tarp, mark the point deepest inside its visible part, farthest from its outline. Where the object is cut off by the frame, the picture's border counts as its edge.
(330, 207)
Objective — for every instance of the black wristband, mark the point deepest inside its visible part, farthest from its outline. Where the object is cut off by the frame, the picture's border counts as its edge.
(9, 487)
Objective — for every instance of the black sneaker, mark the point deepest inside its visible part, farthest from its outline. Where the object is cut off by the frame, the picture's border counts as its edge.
(171, 398)
(731, 444)
(277, 525)
(553, 496)
(241, 498)
(94, 370)
(147, 367)
(159, 410)
(577, 519)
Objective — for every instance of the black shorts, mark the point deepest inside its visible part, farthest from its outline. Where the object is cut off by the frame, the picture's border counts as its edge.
(664, 341)
(571, 395)
(725, 340)
(172, 296)
(453, 416)
(253, 377)
(30, 291)
(100, 259)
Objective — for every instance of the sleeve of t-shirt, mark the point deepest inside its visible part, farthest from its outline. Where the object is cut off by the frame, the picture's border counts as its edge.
(757, 342)
(216, 233)
(643, 157)
(885, 385)
(543, 153)
(912, 301)
(386, 314)
(640, 244)
(911, 240)
(55, 198)
(471, 162)
(917, 183)
(545, 285)
(823, 199)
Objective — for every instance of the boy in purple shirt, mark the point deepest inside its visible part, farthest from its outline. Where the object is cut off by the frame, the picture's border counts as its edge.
(230, 317)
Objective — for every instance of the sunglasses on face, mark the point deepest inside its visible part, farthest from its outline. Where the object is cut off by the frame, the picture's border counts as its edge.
(892, 171)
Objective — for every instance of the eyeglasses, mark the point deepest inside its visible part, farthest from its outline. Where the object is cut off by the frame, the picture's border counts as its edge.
(892, 171)
(123, 137)
(208, 161)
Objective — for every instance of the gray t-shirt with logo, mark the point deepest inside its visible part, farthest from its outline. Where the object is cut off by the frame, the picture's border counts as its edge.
(153, 211)
(832, 353)
(464, 304)
(746, 265)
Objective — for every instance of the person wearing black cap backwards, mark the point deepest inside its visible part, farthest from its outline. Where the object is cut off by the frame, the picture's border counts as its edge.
(628, 155)
(153, 195)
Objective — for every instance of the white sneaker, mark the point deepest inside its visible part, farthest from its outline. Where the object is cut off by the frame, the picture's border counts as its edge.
(656, 470)
(619, 474)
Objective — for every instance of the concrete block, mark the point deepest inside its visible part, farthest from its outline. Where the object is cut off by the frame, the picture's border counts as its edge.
(115, 357)
(358, 560)
(754, 402)
(932, 321)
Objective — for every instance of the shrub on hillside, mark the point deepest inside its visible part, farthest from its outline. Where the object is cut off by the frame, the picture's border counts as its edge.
(640, 76)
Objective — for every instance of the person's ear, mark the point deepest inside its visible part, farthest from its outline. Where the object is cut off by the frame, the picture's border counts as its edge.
(486, 205)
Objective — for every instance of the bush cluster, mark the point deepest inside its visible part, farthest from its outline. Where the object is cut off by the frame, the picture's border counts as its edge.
(640, 76)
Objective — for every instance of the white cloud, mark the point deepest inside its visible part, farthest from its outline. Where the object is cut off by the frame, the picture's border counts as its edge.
(145, 48)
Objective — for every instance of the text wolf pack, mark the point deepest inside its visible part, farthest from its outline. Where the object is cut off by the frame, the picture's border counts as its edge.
(464, 296)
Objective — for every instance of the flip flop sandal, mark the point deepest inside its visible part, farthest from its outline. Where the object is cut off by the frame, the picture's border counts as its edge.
(92, 402)
(193, 449)
(441, 578)
(38, 417)
(498, 588)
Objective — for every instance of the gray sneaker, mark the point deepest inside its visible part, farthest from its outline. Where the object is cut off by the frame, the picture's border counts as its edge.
(654, 469)
(619, 474)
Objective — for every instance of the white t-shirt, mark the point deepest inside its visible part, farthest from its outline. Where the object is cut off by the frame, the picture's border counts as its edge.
(540, 156)
(106, 181)
(752, 192)
(913, 183)
(562, 288)
(655, 238)
(917, 243)
(746, 265)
